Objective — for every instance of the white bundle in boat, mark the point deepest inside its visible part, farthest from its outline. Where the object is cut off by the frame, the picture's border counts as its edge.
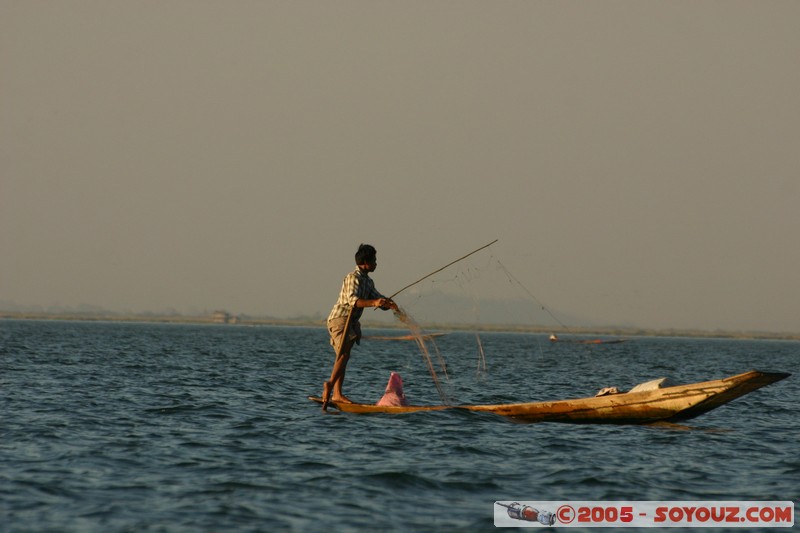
(659, 383)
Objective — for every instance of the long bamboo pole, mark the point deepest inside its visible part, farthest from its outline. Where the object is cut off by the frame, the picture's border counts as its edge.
(337, 363)
(440, 269)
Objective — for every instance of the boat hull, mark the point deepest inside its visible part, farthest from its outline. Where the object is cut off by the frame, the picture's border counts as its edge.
(680, 402)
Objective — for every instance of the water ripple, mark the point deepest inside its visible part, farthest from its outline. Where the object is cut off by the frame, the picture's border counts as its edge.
(135, 427)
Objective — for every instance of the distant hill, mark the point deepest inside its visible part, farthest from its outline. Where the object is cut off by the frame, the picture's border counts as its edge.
(439, 307)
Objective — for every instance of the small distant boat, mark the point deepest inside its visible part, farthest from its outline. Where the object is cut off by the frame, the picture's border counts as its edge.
(667, 404)
(554, 338)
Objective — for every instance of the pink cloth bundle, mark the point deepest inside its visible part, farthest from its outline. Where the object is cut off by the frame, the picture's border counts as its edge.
(393, 395)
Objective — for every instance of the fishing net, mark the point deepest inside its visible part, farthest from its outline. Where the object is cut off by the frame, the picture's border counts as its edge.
(474, 295)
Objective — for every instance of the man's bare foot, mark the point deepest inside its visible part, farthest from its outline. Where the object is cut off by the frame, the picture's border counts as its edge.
(341, 399)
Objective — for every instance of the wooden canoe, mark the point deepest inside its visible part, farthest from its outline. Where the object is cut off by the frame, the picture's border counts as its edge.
(424, 336)
(680, 402)
(588, 341)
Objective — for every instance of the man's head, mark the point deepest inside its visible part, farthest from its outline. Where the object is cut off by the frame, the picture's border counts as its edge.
(366, 255)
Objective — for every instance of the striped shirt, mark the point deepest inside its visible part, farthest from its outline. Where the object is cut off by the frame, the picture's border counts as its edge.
(357, 284)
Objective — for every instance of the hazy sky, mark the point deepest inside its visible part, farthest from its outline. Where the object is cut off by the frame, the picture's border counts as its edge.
(639, 161)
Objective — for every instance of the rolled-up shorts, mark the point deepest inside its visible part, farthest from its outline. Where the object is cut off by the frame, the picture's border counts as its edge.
(335, 328)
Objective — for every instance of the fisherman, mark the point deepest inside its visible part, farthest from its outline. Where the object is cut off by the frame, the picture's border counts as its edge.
(358, 291)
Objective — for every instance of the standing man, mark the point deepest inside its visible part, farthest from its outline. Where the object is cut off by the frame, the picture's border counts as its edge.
(358, 291)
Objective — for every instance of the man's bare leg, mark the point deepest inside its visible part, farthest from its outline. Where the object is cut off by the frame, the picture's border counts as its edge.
(338, 381)
(332, 389)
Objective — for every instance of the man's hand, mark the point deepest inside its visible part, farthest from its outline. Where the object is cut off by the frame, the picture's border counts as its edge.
(386, 304)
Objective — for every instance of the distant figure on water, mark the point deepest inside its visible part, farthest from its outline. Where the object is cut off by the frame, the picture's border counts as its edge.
(358, 291)
(393, 395)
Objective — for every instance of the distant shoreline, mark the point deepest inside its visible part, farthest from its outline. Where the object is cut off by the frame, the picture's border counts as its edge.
(616, 332)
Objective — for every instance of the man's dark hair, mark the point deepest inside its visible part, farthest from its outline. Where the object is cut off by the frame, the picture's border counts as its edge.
(365, 254)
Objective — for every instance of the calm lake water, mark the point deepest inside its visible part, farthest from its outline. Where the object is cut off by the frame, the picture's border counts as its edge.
(148, 427)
